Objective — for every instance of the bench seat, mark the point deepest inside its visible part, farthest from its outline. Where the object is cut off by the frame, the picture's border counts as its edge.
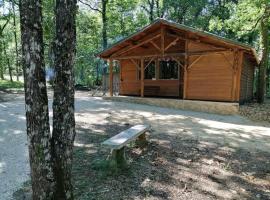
(120, 140)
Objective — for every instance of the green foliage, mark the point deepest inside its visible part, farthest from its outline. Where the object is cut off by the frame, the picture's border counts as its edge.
(7, 85)
(229, 18)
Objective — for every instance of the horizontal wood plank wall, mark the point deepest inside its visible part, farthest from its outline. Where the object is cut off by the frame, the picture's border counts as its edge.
(211, 78)
(247, 79)
(167, 87)
(129, 84)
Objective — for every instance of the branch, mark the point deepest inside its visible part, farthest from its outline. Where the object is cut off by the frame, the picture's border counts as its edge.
(144, 8)
(90, 6)
(2, 28)
(257, 22)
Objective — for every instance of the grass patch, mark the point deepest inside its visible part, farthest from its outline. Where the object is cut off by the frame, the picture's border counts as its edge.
(8, 85)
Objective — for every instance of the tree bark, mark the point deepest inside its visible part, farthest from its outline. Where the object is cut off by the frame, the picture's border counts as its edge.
(265, 56)
(15, 39)
(36, 101)
(63, 100)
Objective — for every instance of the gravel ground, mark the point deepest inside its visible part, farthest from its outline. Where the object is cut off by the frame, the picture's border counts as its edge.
(94, 115)
(14, 167)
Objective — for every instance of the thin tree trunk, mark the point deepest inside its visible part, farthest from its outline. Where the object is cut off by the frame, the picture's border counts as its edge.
(151, 10)
(264, 61)
(15, 39)
(36, 101)
(8, 63)
(63, 101)
(1, 59)
(104, 24)
(2, 67)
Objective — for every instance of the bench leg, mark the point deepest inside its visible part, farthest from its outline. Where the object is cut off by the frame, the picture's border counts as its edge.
(118, 158)
(141, 141)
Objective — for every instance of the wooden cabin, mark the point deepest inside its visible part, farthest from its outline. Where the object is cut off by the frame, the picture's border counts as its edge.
(165, 59)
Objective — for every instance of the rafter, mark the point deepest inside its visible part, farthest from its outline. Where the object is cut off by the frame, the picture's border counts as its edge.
(172, 43)
(155, 45)
(139, 43)
(196, 40)
(162, 40)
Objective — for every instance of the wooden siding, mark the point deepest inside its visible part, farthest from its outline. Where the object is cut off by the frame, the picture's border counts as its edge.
(211, 78)
(130, 84)
(247, 79)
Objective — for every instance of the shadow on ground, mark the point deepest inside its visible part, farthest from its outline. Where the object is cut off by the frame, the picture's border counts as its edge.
(169, 167)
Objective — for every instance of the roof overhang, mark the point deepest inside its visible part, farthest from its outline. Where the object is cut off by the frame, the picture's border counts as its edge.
(108, 52)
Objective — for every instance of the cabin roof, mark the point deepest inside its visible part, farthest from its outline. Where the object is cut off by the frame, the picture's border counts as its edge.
(106, 53)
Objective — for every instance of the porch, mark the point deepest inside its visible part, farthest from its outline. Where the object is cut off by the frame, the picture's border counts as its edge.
(223, 108)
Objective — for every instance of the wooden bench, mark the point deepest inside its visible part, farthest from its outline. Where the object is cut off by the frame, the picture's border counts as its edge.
(118, 142)
(151, 90)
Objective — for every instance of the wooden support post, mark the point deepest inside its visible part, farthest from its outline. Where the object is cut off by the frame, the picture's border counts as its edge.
(142, 77)
(240, 67)
(234, 75)
(141, 141)
(162, 40)
(157, 69)
(117, 159)
(111, 77)
(185, 70)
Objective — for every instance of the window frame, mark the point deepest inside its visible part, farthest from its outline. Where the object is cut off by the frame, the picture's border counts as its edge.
(178, 71)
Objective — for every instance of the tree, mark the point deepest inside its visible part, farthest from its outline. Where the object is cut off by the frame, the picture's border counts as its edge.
(50, 155)
(101, 7)
(8, 62)
(36, 100)
(265, 28)
(253, 16)
(15, 38)
(6, 19)
(63, 101)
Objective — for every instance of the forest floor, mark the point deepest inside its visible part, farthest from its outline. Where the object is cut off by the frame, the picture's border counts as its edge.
(190, 155)
(257, 112)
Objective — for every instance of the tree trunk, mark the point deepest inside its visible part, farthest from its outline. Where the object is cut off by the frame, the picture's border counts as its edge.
(15, 39)
(8, 63)
(151, 10)
(36, 101)
(63, 101)
(1, 59)
(104, 24)
(264, 61)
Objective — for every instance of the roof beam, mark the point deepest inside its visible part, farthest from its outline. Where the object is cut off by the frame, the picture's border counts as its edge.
(172, 43)
(155, 45)
(194, 53)
(196, 40)
(162, 40)
(139, 43)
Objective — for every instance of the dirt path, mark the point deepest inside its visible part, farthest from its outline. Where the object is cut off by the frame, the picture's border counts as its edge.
(191, 155)
(14, 167)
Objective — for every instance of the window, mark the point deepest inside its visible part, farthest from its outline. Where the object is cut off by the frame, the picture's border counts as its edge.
(150, 71)
(168, 70)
